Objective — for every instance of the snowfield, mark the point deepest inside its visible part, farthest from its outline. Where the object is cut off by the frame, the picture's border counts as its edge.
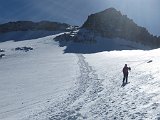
(46, 84)
(32, 80)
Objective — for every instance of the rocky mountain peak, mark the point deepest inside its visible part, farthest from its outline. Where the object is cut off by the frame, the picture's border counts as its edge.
(112, 24)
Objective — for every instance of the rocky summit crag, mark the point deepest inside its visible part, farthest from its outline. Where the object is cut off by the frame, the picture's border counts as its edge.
(112, 24)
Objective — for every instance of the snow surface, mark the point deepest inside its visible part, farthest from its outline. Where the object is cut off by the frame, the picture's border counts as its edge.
(46, 84)
(31, 80)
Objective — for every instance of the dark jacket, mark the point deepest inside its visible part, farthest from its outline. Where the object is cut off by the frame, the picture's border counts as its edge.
(125, 70)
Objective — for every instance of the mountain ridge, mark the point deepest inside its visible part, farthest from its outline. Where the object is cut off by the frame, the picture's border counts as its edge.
(33, 26)
(111, 23)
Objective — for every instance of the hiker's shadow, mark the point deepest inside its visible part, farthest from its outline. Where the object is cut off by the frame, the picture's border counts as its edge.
(124, 84)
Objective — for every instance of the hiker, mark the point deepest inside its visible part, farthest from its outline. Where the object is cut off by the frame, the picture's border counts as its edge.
(125, 74)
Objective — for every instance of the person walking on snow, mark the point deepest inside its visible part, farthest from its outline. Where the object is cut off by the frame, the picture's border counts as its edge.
(125, 74)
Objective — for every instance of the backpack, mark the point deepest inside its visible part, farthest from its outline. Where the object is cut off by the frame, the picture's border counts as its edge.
(129, 68)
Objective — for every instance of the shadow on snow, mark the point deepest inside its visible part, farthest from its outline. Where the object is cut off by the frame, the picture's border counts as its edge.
(25, 35)
(99, 44)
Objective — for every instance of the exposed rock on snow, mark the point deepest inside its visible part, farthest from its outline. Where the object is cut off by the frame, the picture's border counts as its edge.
(26, 49)
(2, 50)
(85, 41)
(1, 55)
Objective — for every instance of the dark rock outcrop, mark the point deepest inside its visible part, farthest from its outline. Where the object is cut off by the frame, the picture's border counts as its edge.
(1, 55)
(112, 24)
(32, 26)
(26, 49)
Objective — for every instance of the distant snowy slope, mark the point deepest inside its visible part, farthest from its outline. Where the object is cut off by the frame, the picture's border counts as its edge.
(25, 35)
(27, 30)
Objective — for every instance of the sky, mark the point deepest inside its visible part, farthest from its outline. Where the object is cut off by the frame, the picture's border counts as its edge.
(75, 12)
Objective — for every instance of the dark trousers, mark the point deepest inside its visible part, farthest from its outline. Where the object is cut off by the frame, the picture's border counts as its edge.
(125, 78)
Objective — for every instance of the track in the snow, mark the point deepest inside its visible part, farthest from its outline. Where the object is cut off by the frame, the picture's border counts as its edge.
(88, 88)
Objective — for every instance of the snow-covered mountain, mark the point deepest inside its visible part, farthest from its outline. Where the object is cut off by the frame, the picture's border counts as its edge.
(25, 30)
(106, 31)
(43, 83)
(76, 73)
(111, 23)
(144, 12)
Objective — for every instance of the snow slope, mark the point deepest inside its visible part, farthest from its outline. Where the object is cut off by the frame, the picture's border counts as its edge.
(31, 80)
(137, 100)
(45, 84)
(100, 95)
(25, 35)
